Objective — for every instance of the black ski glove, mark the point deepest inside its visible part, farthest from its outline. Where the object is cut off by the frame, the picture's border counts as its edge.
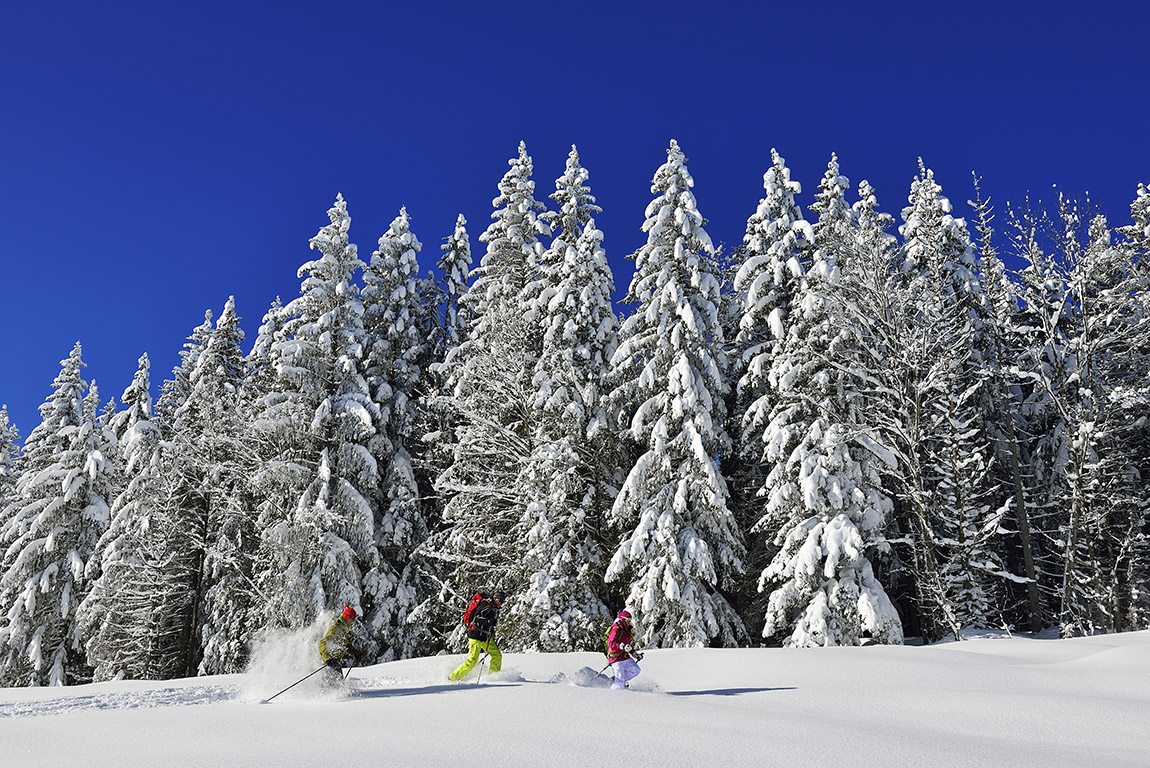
(334, 663)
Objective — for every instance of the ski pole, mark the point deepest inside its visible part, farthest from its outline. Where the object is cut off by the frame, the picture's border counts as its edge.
(604, 669)
(293, 685)
(481, 660)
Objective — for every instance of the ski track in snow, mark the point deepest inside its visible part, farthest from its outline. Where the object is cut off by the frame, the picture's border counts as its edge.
(366, 688)
(165, 697)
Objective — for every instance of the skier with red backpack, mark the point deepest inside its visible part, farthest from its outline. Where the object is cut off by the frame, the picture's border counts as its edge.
(480, 617)
(620, 652)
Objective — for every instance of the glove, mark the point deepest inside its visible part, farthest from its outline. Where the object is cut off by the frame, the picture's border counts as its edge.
(637, 655)
(627, 647)
(334, 663)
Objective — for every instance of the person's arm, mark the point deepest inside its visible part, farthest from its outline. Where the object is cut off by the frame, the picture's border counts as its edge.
(323, 654)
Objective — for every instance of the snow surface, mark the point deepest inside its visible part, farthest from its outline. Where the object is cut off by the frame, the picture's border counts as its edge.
(989, 701)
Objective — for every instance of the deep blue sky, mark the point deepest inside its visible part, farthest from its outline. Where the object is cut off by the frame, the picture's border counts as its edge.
(157, 157)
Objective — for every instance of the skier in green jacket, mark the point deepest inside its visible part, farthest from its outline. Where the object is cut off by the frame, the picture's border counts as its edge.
(335, 646)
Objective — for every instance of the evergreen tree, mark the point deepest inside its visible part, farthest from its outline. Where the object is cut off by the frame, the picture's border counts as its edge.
(937, 398)
(398, 340)
(454, 266)
(490, 402)
(174, 391)
(576, 203)
(56, 517)
(211, 421)
(320, 486)
(116, 618)
(775, 253)
(1089, 367)
(680, 543)
(1006, 424)
(570, 474)
(824, 501)
(496, 302)
(11, 459)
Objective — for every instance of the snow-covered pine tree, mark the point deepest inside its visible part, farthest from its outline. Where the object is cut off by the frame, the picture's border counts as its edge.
(1006, 424)
(1087, 357)
(938, 399)
(680, 546)
(570, 476)
(454, 266)
(174, 391)
(775, 253)
(1131, 397)
(824, 501)
(397, 344)
(576, 207)
(261, 371)
(576, 203)
(58, 513)
(11, 460)
(490, 402)
(498, 301)
(211, 421)
(116, 618)
(1137, 233)
(320, 486)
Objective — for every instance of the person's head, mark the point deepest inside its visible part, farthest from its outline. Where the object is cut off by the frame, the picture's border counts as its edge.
(348, 614)
(499, 597)
(624, 618)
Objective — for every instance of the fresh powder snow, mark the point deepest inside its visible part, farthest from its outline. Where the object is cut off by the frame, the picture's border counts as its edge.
(991, 700)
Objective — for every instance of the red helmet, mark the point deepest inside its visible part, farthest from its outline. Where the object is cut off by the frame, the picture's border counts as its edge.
(624, 615)
(348, 614)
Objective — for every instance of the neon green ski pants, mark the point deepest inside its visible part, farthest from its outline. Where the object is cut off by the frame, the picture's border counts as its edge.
(474, 648)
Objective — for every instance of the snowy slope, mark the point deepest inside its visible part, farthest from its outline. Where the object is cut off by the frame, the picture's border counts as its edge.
(993, 701)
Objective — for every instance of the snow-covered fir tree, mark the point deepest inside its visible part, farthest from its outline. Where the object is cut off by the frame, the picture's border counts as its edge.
(211, 421)
(576, 203)
(320, 485)
(397, 342)
(174, 391)
(490, 401)
(766, 268)
(937, 394)
(499, 309)
(454, 267)
(570, 476)
(1006, 424)
(117, 617)
(680, 545)
(58, 512)
(1089, 368)
(824, 505)
(774, 255)
(11, 459)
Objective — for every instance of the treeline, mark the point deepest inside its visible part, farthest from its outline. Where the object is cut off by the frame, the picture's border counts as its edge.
(830, 434)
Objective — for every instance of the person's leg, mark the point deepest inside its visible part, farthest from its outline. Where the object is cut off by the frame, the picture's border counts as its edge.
(474, 648)
(629, 669)
(496, 656)
(619, 682)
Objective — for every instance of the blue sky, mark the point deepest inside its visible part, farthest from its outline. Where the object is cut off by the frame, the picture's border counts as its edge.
(156, 158)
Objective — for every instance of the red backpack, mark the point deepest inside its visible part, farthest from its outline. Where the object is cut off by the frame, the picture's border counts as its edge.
(472, 608)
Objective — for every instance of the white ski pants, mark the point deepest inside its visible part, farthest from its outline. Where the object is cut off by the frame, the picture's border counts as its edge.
(625, 670)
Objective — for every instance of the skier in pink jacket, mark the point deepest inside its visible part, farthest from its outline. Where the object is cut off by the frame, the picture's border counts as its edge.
(623, 658)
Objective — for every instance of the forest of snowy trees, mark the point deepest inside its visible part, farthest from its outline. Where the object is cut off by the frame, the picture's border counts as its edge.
(847, 429)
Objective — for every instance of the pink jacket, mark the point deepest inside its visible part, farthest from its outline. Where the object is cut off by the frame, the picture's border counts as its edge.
(616, 639)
